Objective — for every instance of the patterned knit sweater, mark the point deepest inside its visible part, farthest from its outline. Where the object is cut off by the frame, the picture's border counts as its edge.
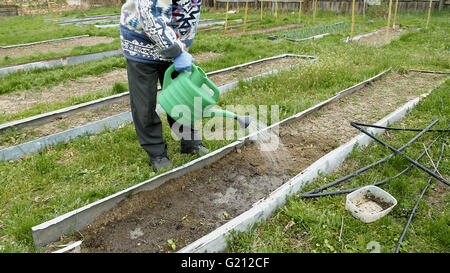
(158, 30)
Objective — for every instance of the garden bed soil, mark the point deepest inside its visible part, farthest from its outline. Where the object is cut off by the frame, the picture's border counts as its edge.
(379, 38)
(191, 206)
(88, 116)
(15, 102)
(230, 26)
(17, 52)
(262, 30)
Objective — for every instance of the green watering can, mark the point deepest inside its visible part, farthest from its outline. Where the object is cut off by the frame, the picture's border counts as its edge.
(184, 88)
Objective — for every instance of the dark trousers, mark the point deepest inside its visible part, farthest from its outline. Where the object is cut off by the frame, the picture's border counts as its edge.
(142, 81)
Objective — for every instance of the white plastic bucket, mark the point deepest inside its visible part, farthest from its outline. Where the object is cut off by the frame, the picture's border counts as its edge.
(370, 203)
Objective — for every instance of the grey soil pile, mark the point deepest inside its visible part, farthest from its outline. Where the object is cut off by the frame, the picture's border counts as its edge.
(189, 207)
(85, 117)
(379, 38)
(17, 52)
(261, 30)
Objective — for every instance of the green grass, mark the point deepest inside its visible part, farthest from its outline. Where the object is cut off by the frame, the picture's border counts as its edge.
(317, 221)
(41, 78)
(47, 107)
(32, 28)
(68, 176)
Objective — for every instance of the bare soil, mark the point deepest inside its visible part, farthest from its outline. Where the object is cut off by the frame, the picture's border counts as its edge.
(230, 26)
(436, 196)
(17, 52)
(84, 117)
(189, 207)
(18, 101)
(379, 38)
(261, 30)
(15, 102)
(253, 70)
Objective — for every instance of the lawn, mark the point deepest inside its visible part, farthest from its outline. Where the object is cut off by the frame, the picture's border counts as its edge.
(315, 224)
(68, 176)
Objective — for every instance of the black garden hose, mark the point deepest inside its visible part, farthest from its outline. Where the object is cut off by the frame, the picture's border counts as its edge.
(382, 182)
(336, 182)
(399, 129)
(434, 175)
(418, 200)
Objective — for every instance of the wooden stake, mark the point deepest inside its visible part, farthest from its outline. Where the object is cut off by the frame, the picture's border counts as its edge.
(395, 13)
(245, 16)
(389, 21)
(429, 12)
(353, 18)
(276, 10)
(226, 16)
(314, 11)
(262, 10)
(300, 10)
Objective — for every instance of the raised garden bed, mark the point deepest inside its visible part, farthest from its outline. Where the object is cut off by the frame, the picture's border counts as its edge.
(63, 122)
(262, 30)
(60, 61)
(52, 46)
(186, 208)
(230, 26)
(377, 38)
(15, 102)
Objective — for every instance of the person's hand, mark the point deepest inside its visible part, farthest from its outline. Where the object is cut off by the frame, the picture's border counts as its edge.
(183, 62)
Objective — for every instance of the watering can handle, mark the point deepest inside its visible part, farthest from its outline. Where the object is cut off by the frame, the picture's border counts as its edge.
(208, 82)
(168, 76)
(214, 88)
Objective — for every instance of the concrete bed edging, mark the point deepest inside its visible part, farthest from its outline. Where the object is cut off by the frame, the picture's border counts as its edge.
(113, 122)
(216, 241)
(315, 37)
(34, 146)
(51, 230)
(67, 111)
(429, 71)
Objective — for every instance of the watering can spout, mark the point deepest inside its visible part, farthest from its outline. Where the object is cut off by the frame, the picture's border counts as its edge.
(244, 121)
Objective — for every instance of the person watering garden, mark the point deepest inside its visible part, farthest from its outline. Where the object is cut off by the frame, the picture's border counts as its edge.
(154, 34)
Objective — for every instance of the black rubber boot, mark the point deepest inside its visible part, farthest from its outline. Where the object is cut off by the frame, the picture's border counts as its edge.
(197, 150)
(160, 163)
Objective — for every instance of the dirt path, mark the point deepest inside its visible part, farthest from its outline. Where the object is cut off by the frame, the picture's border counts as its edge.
(17, 52)
(189, 207)
(18, 101)
(84, 117)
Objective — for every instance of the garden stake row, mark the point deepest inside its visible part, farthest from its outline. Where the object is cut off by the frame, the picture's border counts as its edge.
(367, 167)
(382, 182)
(441, 179)
(418, 200)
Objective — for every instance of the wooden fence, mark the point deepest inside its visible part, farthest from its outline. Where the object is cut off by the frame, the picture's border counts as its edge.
(18, 7)
(330, 5)
(9, 10)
